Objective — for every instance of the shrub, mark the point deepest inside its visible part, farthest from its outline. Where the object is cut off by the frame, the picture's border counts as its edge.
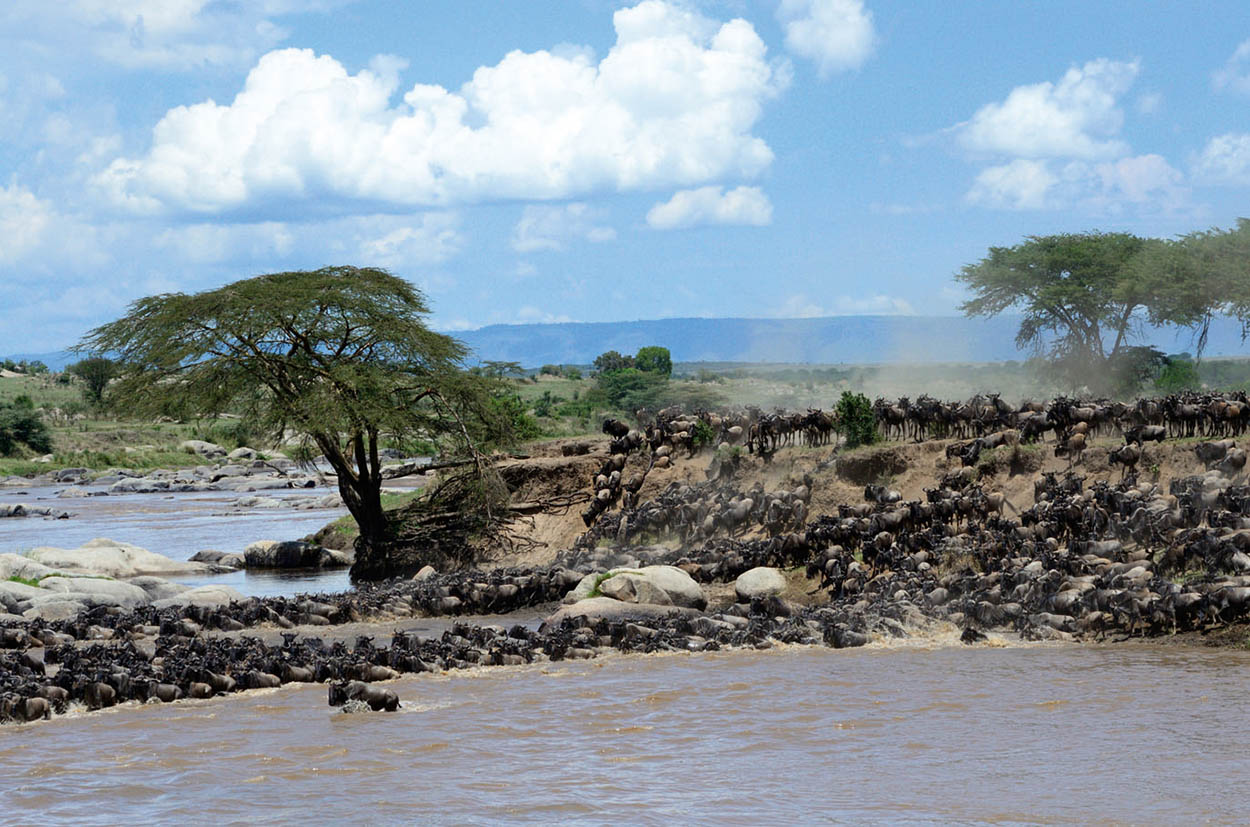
(1179, 374)
(630, 389)
(22, 426)
(703, 434)
(654, 359)
(856, 420)
(521, 425)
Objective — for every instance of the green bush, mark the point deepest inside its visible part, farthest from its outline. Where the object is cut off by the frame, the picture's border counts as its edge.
(22, 426)
(629, 389)
(654, 359)
(1179, 374)
(703, 434)
(520, 424)
(856, 420)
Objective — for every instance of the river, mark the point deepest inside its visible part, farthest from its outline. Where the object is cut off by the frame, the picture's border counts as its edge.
(178, 525)
(917, 733)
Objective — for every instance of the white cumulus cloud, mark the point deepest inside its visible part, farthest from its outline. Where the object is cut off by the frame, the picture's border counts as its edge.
(24, 219)
(544, 227)
(712, 205)
(672, 103)
(1078, 117)
(835, 34)
(1147, 182)
(162, 34)
(1225, 160)
(1019, 185)
(1235, 73)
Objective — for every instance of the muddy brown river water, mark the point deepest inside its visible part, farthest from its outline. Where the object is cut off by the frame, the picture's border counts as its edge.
(915, 733)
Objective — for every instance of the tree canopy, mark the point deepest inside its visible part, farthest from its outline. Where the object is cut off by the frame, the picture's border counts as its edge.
(654, 359)
(612, 361)
(1085, 296)
(341, 356)
(95, 372)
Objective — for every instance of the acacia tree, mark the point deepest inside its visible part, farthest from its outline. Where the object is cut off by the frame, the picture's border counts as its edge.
(1083, 297)
(340, 355)
(1198, 277)
(96, 373)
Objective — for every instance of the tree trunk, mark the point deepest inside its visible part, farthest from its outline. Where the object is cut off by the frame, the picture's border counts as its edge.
(363, 499)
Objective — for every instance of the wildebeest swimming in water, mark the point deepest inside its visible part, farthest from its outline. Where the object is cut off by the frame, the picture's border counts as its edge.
(378, 699)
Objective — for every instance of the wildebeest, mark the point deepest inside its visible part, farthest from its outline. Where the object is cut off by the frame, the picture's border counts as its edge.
(377, 698)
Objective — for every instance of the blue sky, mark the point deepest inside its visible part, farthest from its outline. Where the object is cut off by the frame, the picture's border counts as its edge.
(587, 160)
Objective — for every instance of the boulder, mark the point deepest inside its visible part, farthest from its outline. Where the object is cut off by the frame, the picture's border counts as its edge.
(292, 554)
(113, 559)
(54, 610)
(242, 453)
(210, 596)
(97, 592)
(677, 586)
(158, 588)
(425, 574)
(204, 449)
(760, 581)
(634, 588)
(15, 565)
(12, 594)
(141, 485)
(214, 557)
(595, 608)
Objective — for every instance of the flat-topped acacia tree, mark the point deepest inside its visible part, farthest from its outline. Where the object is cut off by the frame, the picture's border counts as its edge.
(341, 356)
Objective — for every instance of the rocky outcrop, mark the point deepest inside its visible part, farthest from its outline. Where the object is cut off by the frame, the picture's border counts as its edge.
(22, 510)
(113, 559)
(292, 554)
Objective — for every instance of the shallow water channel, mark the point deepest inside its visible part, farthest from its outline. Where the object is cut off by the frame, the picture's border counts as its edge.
(177, 525)
(918, 734)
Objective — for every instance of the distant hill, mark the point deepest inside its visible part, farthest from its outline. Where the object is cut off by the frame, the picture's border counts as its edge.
(828, 340)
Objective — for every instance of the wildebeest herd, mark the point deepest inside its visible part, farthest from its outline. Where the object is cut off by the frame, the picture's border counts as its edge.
(1086, 559)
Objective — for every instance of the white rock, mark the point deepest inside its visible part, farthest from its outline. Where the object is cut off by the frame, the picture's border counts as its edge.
(53, 610)
(677, 585)
(158, 588)
(212, 596)
(759, 582)
(205, 449)
(15, 565)
(97, 592)
(113, 559)
(11, 594)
